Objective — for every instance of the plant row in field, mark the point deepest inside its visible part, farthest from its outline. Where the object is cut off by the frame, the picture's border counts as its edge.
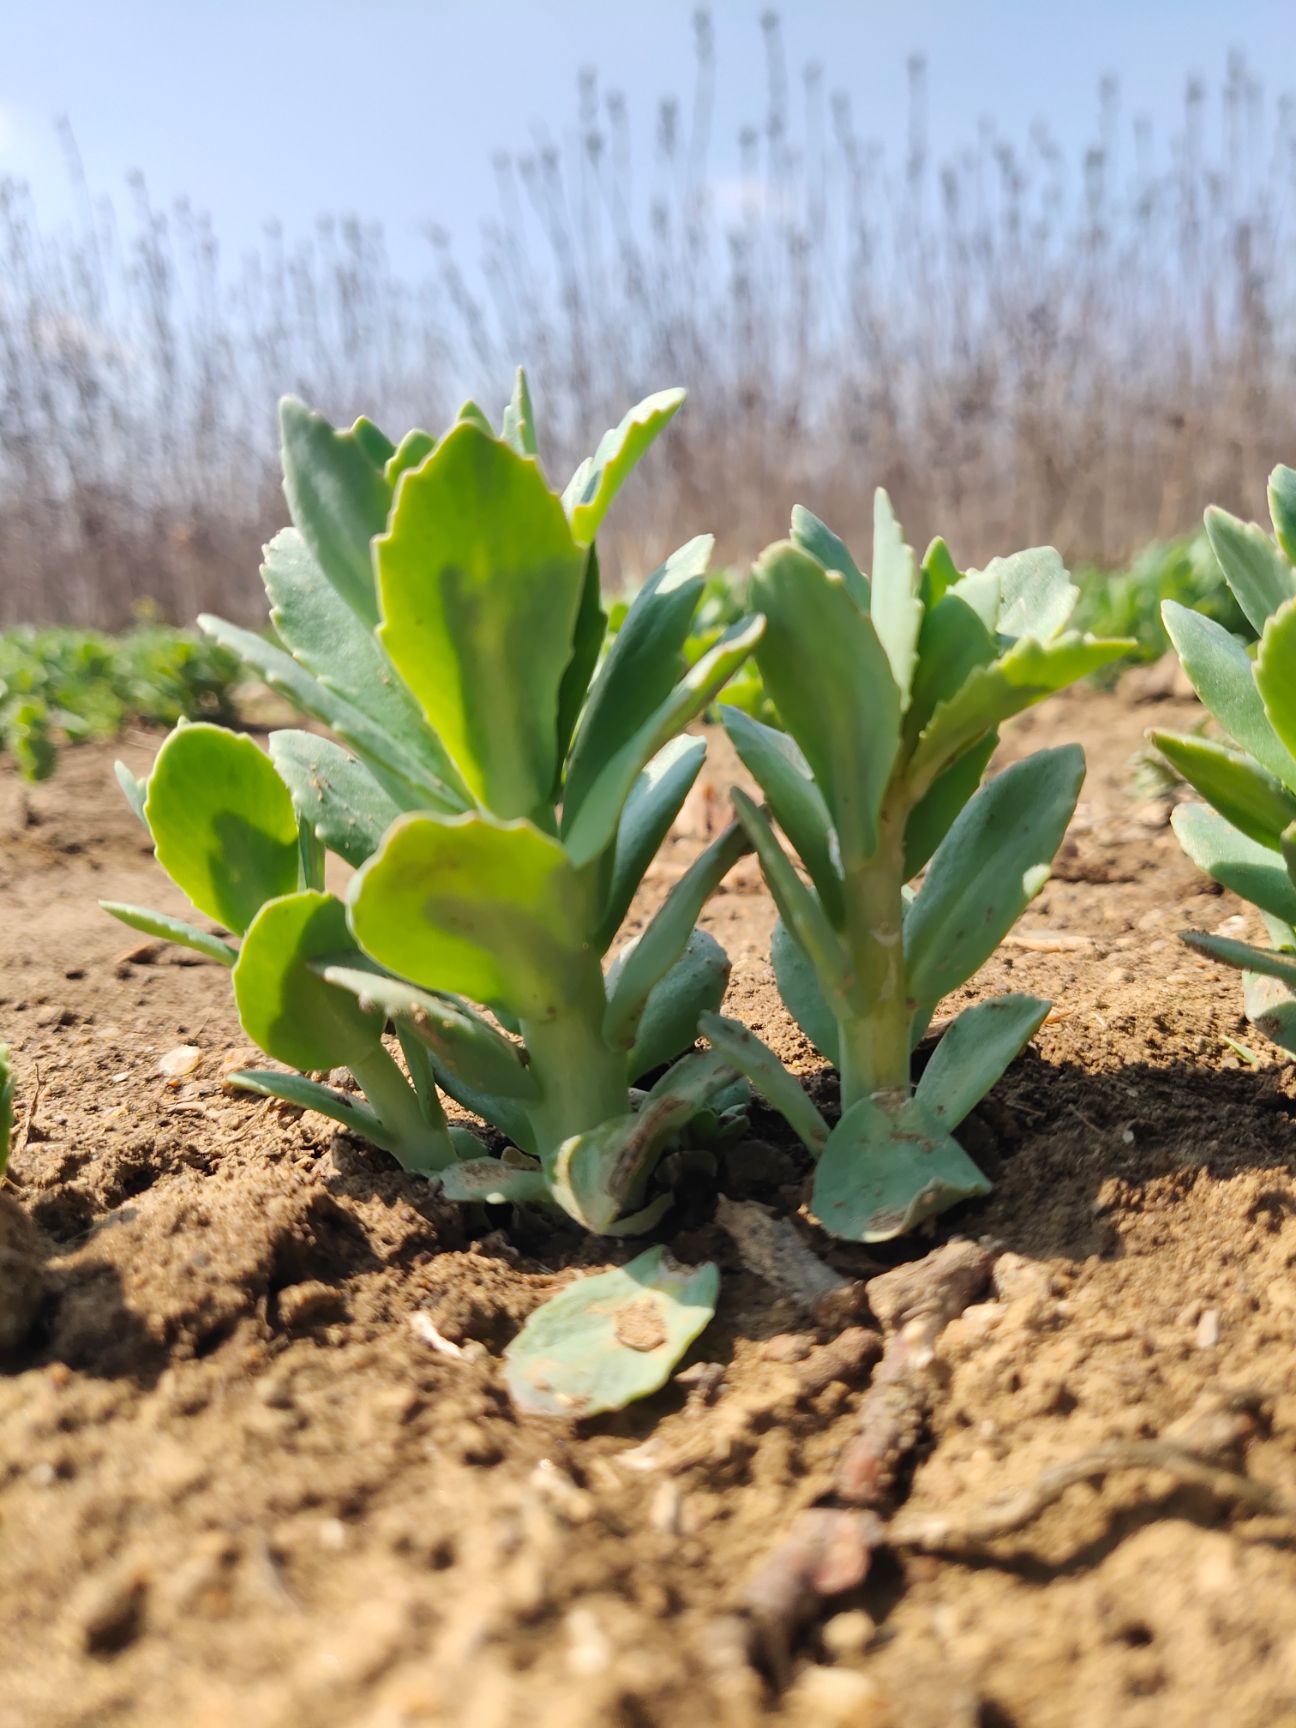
(59, 684)
(499, 776)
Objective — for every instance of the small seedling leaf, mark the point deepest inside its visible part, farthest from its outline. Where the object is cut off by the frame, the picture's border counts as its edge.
(1282, 508)
(1271, 1006)
(518, 430)
(222, 822)
(295, 1089)
(1243, 955)
(607, 1340)
(889, 1165)
(1275, 675)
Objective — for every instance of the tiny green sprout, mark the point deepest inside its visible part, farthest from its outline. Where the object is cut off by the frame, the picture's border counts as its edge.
(1244, 836)
(892, 690)
(496, 787)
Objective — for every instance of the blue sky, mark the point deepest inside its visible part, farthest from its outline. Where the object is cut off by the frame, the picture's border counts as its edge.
(393, 108)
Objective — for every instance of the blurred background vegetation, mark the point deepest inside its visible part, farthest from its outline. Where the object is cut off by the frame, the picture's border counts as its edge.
(1024, 344)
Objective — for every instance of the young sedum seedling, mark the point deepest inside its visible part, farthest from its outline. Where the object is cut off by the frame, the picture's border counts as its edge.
(1244, 836)
(499, 791)
(892, 689)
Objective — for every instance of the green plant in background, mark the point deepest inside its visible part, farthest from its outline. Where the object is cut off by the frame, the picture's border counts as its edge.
(499, 788)
(1244, 836)
(1129, 602)
(891, 691)
(81, 684)
(723, 604)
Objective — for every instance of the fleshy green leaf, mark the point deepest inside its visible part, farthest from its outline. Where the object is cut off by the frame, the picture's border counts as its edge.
(886, 1169)
(816, 538)
(409, 784)
(831, 682)
(375, 443)
(1221, 672)
(1242, 792)
(518, 430)
(458, 1038)
(1242, 955)
(781, 1089)
(597, 481)
(974, 1053)
(491, 1181)
(642, 965)
(1275, 675)
(333, 793)
(932, 816)
(597, 820)
(952, 644)
(481, 583)
(134, 789)
(222, 823)
(896, 605)
(587, 645)
(304, 1094)
(668, 1023)
(1282, 508)
(798, 907)
(802, 995)
(484, 909)
(642, 667)
(283, 1003)
(1026, 674)
(607, 1340)
(338, 500)
(989, 867)
(654, 802)
(167, 929)
(344, 654)
(1228, 857)
(1036, 593)
(939, 572)
(783, 774)
(1261, 578)
(412, 452)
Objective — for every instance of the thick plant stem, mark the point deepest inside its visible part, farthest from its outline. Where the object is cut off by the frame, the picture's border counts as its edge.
(583, 1079)
(424, 1147)
(874, 1038)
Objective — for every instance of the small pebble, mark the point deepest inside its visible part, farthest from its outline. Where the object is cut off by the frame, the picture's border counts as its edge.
(850, 1634)
(184, 1059)
(1208, 1330)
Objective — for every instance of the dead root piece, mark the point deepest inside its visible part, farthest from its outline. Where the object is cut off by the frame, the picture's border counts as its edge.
(774, 1249)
